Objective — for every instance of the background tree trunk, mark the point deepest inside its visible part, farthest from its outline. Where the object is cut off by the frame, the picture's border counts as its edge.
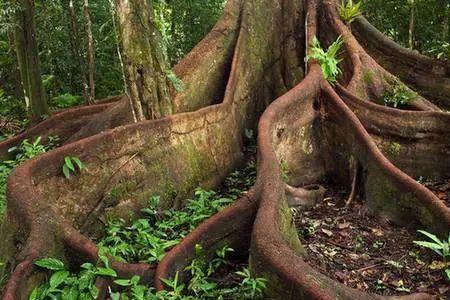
(412, 17)
(76, 53)
(28, 60)
(446, 21)
(90, 52)
(18, 88)
(145, 62)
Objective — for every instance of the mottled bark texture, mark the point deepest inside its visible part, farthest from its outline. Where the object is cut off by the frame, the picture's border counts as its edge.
(145, 62)
(252, 62)
(28, 60)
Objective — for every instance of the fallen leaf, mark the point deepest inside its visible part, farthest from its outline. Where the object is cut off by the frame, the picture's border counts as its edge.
(354, 256)
(342, 226)
(442, 195)
(443, 289)
(377, 232)
(365, 256)
(438, 265)
(327, 232)
(313, 248)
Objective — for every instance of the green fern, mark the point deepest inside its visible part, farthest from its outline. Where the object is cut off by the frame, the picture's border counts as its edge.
(349, 11)
(327, 59)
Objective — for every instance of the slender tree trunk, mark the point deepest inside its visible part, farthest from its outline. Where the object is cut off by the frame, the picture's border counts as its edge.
(412, 20)
(76, 52)
(145, 63)
(28, 61)
(446, 22)
(17, 81)
(90, 52)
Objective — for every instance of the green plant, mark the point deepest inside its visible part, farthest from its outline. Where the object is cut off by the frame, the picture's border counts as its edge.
(395, 148)
(251, 288)
(70, 164)
(442, 248)
(327, 59)
(398, 95)
(176, 82)
(284, 170)
(349, 11)
(148, 238)
(64, 285)
(66, 100)
(26, 150)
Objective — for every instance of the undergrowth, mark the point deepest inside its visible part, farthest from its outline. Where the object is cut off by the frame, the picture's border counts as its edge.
(205, 281)
(148, 239)
(398, 95)
(25, 151)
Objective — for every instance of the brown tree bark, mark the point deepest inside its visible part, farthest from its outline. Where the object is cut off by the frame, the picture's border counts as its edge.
(28, 61)
(18, 88)
(75, 43)
(90, 52)
(145, 63)
(412, 20)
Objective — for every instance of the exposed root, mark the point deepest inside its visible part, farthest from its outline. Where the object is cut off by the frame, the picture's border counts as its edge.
(308, 195)
(354, 170)
(21, 271)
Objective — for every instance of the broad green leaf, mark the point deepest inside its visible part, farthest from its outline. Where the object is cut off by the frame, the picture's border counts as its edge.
(58, 278)
(123, 282)
(431, 236)
(78, 163)
(50, 264)
(69, 164)
(66, 171)
(106, 272)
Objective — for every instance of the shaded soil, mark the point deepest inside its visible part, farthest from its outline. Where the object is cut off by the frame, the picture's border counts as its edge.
(365, 252)
(226, 276)
(441, 189)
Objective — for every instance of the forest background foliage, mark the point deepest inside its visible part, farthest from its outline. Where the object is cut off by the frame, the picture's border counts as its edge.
(182, 24)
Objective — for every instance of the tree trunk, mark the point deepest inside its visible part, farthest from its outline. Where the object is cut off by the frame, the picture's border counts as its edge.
(90, 52)
(412, 16)
(446, 22)
(18, 88)
(75, 43)
(145, 63)
(28, 61)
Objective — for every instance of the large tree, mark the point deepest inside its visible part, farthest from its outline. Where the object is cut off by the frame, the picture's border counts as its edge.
(251, 62)
(28, 60)
(145, 62)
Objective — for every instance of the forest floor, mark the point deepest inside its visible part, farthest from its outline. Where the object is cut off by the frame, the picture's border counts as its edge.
(441, 189)
(358, 249)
